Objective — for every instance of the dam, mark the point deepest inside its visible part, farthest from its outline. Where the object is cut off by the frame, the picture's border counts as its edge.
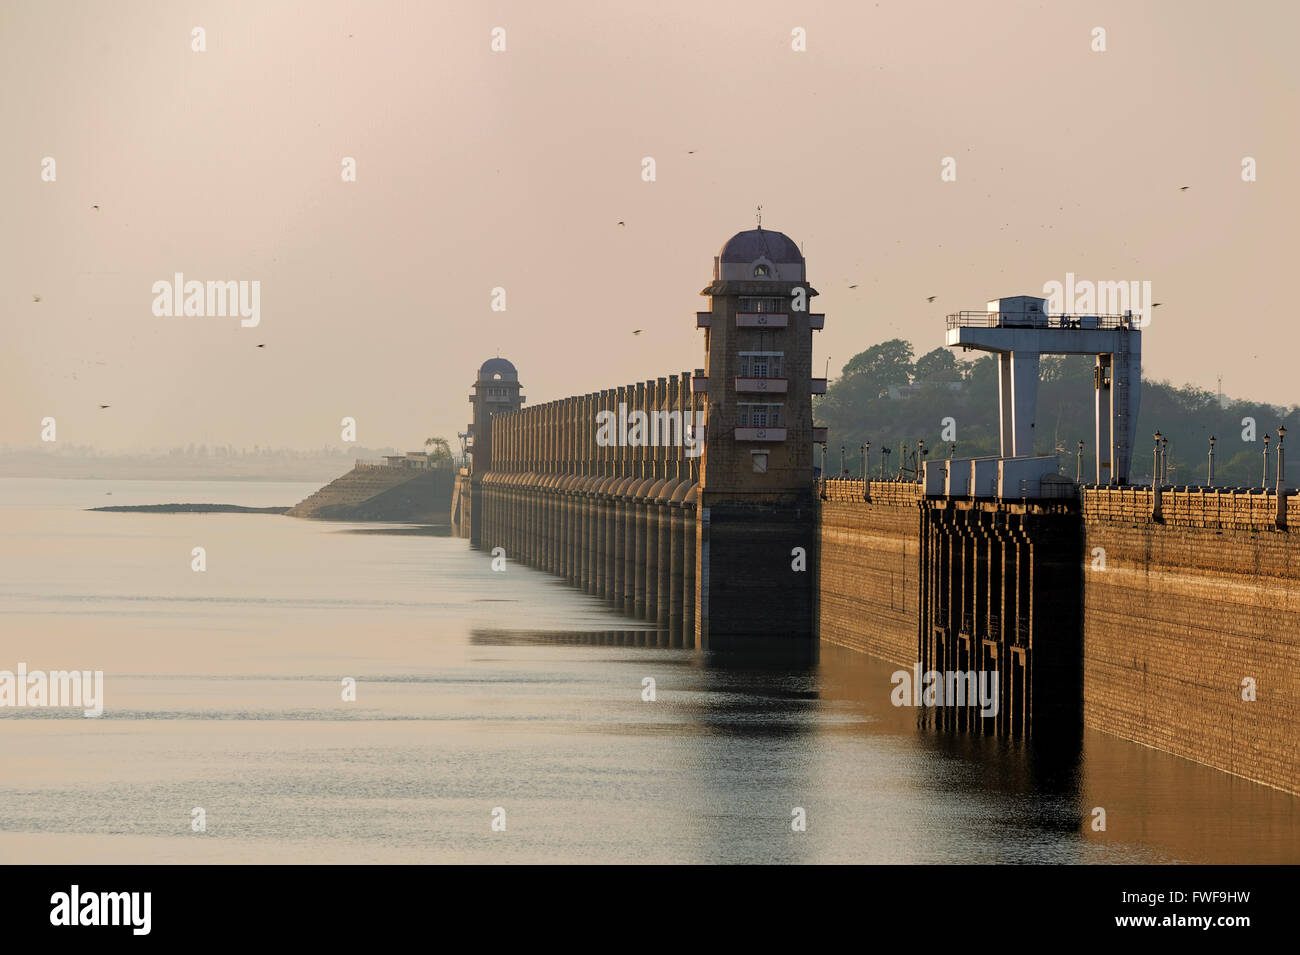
(1167, 615)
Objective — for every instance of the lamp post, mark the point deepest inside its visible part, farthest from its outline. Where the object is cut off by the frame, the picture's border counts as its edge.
(1155, 464)
(1210, 472)
(1281, 479)
(1281, 461)
(866, 451)
(1164, 461)
(920, 453)
(1266, 439)
(1078, 464)
(823, 471)
(843, 473)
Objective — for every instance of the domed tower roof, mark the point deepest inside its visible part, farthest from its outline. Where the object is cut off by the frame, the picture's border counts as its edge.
(761, 243)
(497, 369)
(760, 255)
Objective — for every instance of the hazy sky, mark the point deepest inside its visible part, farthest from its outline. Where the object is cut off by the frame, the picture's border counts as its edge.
(478, 169)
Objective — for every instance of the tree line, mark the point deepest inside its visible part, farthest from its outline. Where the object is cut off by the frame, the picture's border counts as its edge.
(927, 391)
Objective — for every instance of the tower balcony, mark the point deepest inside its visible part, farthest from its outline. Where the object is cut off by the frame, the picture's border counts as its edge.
(777, 386)
(762, 320)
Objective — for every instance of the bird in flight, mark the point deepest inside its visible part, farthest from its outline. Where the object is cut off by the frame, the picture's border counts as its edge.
(1183, 188)
(930, 298)
(36, 298)
(1156, 304)
(636, 331)
(621, 222)
(852, 286)
(96, 208)
(690, 152)
(261, 346)
(102, 407)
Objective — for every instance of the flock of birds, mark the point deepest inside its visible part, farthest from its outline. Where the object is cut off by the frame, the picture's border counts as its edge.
(621, 222)
(929, 298)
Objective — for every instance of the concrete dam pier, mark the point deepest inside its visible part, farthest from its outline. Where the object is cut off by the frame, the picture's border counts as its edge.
(1165, 615)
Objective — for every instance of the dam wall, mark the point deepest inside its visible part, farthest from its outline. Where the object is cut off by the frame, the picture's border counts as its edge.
(1181, 610)
(1169, 618)
(462, 505)
(617, 520)
(954, 585)
(868, 568)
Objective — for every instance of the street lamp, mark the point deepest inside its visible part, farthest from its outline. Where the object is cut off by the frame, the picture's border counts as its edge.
(1210, 473)
(1266, 439)
(1155, 465)
(823, 471)
(866, 451)
(1281, 461)
(1078, 464)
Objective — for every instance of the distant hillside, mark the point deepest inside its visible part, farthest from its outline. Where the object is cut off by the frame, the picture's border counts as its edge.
(858, 407)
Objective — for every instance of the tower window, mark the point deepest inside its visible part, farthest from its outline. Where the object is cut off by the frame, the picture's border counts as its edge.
(760, 364)
(760, 271)
(753, 415)
(765, 305)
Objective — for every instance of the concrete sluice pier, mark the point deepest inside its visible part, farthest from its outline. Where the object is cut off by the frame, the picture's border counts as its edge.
(617, 521)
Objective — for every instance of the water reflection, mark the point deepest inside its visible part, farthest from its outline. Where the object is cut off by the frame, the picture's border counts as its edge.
(478, 689)
(762, 736)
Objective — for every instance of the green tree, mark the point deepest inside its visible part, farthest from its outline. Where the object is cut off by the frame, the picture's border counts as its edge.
(440, 450)
(874, 370)
(938, 366)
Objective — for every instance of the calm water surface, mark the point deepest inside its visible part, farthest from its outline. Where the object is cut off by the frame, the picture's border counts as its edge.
(478, 690)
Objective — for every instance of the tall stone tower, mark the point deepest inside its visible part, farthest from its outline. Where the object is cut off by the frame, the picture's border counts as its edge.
(756, 572)
(496, 390)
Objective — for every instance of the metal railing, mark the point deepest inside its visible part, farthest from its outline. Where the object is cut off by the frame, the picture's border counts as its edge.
(1036, 320)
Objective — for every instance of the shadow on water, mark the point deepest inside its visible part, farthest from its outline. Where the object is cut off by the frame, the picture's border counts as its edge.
(650, 639)
(409, 530)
